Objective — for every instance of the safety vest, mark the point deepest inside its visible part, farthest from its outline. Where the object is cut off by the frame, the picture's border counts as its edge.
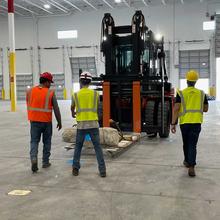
(39, 104)
(86, 102)
(191, 110)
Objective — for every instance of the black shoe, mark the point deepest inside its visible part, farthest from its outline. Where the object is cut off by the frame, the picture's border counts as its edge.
(103, 174)
(34, 166)
(185, 164)
(75, 171)
(46, 165)
(191, 172)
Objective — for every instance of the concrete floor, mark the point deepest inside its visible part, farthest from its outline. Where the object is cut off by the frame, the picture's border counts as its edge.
(146, 182)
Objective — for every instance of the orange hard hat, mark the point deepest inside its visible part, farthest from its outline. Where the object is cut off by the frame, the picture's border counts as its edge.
(47, 75)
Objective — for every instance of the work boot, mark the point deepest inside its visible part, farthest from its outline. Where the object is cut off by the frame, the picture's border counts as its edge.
(75, 171)
(185, 164)
(191, 172)
(46, 165)
(34, 166)
(103, 174)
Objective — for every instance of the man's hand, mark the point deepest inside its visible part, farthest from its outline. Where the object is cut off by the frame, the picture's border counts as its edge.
(59, 126)
(73, 114)
(173, 129)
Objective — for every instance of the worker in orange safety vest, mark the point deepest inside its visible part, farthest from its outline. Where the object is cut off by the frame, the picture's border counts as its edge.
(41, 100)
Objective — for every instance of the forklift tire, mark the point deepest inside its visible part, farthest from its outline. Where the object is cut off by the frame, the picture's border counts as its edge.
(166, 119)
(149, 117)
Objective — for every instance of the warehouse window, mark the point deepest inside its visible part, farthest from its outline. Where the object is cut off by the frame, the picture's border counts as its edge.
(82, 64)
(67, 34)
(24, 82)
(59, 84)
(198, 60)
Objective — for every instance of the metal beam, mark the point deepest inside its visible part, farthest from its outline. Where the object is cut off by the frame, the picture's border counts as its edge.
(18, 13)
(108, 4)
(126, 3)
(37, 6)
(145, 3)
(70, 3)
(53, 4)
(163, 2)
(88, 3)
(59, 5)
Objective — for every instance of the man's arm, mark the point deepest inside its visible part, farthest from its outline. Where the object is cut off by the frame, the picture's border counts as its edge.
(73, 108)
(206, 104)
(57, 112)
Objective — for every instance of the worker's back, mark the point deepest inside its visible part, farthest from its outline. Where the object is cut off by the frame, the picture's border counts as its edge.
(86, 101)
(191, 111)
(39, 102)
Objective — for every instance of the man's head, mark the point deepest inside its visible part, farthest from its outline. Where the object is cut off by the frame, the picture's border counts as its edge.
(192, 76)
(46, 79)
(85, 79)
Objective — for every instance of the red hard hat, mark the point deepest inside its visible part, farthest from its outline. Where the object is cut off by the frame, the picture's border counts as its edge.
(47, 75)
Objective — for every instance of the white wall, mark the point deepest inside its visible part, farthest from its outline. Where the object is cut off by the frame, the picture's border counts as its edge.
(188, 26)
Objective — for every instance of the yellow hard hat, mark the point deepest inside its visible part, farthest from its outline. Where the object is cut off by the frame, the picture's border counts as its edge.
(192, 76)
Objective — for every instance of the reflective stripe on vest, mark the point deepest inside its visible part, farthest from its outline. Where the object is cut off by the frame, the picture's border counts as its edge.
(46, 106)
(191, 110)
(79, 110)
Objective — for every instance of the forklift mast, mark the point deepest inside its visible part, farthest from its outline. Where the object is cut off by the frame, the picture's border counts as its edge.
(136, 91)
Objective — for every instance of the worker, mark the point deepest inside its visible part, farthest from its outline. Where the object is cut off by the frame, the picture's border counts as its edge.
(40, 102)
(84, 107)
(189, 107)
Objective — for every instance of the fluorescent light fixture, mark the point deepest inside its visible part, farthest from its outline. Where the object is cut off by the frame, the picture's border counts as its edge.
(158, 37)
(67, 34)
(204, 64)
(117, 1)
(208, 25)
(47, 6)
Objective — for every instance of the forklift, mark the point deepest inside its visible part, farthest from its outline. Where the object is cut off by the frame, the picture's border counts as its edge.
(135, 88)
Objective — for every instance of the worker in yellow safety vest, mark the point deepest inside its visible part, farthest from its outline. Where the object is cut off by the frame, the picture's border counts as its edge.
(41, 100)
(85, 108)
(189, 107)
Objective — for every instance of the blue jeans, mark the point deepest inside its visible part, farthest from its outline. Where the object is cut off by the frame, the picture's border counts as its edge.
(190, 136)
(80, 137)
(38, 128)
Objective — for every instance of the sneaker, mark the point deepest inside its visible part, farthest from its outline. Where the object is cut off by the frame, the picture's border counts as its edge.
(34, 166)
(46, 165)
(75, 171)
(103, 174)
(185, 164)
(191, 172)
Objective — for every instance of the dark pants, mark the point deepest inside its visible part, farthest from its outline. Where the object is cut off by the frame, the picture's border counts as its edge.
(190, 136)
(38, 128)
(80, 136)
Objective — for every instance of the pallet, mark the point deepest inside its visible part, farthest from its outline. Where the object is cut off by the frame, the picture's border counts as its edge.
(112, 152)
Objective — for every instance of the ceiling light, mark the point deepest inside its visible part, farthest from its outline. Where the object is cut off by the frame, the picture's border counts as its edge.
(158, 37)
(117, 1)
(47, 6)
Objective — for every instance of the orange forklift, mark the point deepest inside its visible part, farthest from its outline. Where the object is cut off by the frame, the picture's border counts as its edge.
(136, 91)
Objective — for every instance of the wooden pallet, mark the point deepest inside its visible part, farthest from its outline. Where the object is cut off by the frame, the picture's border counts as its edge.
(125, 144)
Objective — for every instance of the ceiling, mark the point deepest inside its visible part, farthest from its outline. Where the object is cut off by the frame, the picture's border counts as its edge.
(28, 8)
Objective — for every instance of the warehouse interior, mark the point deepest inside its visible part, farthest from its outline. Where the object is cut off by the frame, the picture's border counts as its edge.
(148, 180)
